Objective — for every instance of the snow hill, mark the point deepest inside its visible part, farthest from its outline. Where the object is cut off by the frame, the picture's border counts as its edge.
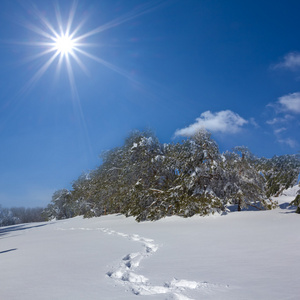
(242, 255)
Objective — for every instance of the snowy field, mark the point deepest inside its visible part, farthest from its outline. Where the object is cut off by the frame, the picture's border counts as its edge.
(246, 255)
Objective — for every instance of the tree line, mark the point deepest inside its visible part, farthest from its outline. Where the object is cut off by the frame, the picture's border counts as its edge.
(18, 215)
(149, 180)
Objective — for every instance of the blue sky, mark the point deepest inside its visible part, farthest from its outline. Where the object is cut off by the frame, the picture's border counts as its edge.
(173, 66)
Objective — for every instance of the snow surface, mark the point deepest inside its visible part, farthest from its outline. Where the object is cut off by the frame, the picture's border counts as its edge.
(243, 255)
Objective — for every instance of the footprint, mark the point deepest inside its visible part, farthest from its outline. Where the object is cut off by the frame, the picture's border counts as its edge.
(126, 272)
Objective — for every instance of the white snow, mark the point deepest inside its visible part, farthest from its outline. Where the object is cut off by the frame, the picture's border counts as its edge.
(243, 255)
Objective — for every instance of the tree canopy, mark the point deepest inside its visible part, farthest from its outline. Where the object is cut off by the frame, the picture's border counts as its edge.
(150, 180)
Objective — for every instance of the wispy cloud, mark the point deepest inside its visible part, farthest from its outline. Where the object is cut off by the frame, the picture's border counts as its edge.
(224, 121)
(285, 122)
(279, 130)
(290, 103)
(288, 141)
(279, 120)
(253, 122)
(291, 61)
(287, 105)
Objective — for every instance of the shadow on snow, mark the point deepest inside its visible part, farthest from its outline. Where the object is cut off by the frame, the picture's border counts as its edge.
(9, 229)
(9, 250)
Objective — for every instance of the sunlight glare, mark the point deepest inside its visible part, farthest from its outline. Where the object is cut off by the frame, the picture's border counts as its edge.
(64, 44)
(67, 43)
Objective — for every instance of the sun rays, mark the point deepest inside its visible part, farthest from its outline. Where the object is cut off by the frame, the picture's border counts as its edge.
(62, 41)
(65, 42)
(57, 44)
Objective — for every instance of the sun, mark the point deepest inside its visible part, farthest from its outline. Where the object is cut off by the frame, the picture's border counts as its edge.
(64, 44)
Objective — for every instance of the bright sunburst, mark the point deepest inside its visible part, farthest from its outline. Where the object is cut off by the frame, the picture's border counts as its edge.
(66, 45)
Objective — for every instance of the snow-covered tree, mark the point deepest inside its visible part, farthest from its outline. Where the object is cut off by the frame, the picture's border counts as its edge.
(61, 206)
(18, 215)
(27, 215)
(245, 185)
(142, 174)
(194, 170)
(6, 217)
(148, 180)
(280, 172)
(296, 202)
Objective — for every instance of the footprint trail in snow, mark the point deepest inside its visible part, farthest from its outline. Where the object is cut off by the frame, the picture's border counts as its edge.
(126, 273)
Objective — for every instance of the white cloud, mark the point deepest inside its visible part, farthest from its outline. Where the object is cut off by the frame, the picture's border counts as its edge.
(253, 122)
(290, 102)
(290, 61)
(224, 121)
(274, 121)
(285, 119)
(290, 142)
(279, 130)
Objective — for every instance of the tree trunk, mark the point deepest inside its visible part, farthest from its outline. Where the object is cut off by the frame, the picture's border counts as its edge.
(239, 205)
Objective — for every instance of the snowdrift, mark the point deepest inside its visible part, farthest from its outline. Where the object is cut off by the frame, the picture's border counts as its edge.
(243, 255)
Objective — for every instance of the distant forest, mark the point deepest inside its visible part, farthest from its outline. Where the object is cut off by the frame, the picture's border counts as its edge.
(150, 180)
(18, 215)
